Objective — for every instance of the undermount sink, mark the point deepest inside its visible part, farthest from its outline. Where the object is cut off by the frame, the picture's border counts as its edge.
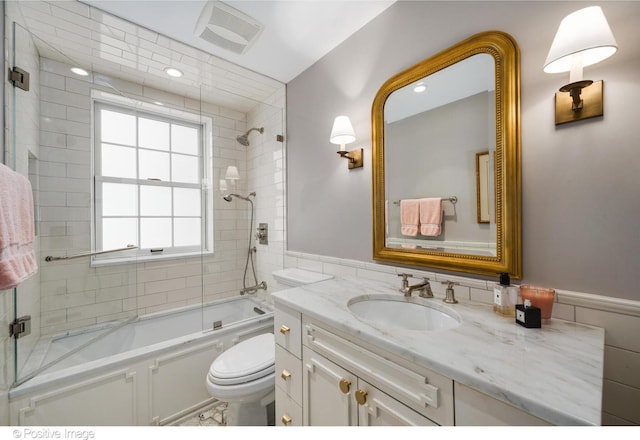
(415, 314)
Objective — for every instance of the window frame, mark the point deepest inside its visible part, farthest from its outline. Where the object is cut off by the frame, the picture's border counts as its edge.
(102, 100)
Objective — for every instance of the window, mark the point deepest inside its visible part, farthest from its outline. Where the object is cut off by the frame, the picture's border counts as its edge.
(149, 171)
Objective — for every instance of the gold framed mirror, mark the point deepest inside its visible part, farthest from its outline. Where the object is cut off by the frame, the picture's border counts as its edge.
(425, 147)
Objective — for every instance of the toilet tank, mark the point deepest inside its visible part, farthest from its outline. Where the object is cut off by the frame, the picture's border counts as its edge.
(292, 277)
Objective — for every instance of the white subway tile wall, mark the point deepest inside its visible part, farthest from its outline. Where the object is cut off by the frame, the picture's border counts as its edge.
(619, 318)
(75, 294)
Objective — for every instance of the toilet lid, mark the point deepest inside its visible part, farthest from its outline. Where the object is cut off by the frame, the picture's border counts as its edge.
(249, 360)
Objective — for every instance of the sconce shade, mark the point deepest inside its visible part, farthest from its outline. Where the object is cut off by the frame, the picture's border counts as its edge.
(585, 33)
(232, 173)
(342, 132)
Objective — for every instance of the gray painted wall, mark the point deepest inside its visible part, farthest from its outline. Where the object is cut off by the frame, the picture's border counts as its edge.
(581, 182)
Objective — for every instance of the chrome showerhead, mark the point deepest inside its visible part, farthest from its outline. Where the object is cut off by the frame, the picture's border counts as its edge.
(229, 197)
(243, 139)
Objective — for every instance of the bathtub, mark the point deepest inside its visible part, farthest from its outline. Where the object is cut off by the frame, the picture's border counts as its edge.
(150, 371)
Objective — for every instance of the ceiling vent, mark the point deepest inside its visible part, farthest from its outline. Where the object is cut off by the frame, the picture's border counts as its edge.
(226, 27)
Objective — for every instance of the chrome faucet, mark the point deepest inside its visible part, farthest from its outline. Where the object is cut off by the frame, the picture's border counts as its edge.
(423, 288)
(450, 297)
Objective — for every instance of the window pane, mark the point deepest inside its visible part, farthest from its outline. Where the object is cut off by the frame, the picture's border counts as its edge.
(155, 233)
(155, 200)
(186, 232)
(118, 128)
(186, 202)
(184, 139)
(154, 165)
(185, 169)
(118, 161)
(119, 200)
(119, 232)
(153, 134)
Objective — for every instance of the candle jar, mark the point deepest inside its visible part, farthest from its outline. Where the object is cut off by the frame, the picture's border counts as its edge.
(541, 297)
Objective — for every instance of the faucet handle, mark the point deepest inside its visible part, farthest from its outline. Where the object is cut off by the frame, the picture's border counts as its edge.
(405, 276)
(450, 297)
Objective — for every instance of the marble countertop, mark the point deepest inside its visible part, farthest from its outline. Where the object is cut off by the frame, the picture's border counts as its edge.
(554, 372)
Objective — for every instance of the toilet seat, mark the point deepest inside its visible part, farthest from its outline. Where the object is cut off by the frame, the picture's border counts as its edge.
(248, 361)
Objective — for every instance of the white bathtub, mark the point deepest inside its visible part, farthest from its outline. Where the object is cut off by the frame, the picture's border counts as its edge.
(149, 372)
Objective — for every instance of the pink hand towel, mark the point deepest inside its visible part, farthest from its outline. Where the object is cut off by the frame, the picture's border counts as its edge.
(431, 216)
(409, 217)
(17, 259)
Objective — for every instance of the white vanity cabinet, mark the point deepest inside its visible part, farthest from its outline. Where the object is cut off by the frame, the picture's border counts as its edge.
(333, 359)
(324, 379)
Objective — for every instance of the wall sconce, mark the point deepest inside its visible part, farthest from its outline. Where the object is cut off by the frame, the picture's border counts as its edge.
(583, 38)
(341, 134)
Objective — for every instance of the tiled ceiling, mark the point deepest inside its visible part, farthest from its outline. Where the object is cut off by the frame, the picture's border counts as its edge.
(79, 34)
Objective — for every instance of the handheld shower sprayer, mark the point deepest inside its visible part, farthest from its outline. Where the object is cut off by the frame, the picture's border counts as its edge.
(257, 286)
(229, 197)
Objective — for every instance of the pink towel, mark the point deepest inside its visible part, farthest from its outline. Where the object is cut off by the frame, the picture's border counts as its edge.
(409, 217)
(431, 216)
(17, 259)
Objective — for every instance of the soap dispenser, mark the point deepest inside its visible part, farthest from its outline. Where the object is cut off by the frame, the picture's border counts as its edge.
(505, 296)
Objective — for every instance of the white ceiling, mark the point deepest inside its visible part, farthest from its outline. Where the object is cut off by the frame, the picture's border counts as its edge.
(296, 34)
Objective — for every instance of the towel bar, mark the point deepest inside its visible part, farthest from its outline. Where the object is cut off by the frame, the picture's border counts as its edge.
(452, 199)
(90, 254)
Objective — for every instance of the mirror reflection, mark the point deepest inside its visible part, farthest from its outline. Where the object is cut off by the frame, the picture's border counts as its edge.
(434, 129)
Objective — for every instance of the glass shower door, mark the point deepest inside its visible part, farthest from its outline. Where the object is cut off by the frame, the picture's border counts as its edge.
(50, 132)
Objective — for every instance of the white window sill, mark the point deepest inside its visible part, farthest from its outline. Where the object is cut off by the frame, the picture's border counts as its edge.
(100, 262)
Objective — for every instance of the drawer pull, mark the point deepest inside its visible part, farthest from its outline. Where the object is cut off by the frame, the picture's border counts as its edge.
(345, 386)
(286, 419)
(285, 375)
(361, 397)
(284, 329)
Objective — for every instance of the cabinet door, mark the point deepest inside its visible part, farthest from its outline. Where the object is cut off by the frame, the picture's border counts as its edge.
(376, 408)
(327, 395)
(474, 408)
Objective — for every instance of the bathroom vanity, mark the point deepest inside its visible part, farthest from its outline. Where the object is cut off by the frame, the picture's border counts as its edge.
(338, 364)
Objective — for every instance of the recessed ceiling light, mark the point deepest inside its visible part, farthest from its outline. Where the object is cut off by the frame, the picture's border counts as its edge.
(172, 71)
(420, 88)
(79, 71)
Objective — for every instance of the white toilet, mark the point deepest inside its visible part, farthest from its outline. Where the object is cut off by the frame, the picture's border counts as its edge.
(244, 375)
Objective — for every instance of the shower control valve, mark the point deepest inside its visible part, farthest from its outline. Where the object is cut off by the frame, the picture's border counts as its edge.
(263, 233)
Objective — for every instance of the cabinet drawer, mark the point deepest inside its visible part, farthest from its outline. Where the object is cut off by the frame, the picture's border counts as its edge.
(427, 392)
(289, 374)
(287, 330)
(288, 412)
